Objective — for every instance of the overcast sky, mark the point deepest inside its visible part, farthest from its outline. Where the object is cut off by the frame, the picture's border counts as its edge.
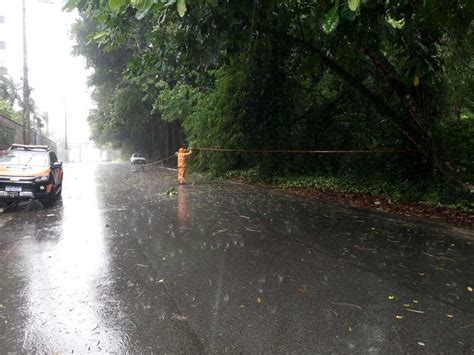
(53, 72)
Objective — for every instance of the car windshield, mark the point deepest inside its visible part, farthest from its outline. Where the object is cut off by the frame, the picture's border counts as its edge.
(24, 158)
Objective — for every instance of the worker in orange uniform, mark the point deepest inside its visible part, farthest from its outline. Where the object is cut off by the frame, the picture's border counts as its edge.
(182, 156)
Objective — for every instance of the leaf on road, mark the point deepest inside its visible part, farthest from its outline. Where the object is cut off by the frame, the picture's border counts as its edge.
(258, 300)
(179, 317)
(391, 297)
(469, 288)
(414, 311)
(449, 316)
(399, 317)
(172, 192)
(220, 231)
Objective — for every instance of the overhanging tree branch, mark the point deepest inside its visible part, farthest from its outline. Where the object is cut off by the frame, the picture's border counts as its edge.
(376, 100)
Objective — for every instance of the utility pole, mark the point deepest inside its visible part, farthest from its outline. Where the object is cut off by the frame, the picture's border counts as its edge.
(26, 86)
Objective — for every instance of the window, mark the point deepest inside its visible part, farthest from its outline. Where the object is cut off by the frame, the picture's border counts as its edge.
(53, 158)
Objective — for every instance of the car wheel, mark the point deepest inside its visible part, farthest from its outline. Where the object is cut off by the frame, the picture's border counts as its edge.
(49, 200)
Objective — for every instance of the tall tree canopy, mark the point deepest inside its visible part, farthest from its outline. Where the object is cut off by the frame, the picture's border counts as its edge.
(285, 74)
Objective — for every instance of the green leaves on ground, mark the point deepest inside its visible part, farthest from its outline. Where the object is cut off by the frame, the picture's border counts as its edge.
(171, 192)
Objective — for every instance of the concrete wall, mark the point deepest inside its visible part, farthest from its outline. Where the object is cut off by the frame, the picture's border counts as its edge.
(12, 132)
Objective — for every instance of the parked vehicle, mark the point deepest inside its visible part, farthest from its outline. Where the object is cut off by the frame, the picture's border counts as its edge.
(30, 172)
(138, 161)
(137, 158)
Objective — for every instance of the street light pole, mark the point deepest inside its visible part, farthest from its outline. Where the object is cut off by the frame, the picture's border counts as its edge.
(26, 86)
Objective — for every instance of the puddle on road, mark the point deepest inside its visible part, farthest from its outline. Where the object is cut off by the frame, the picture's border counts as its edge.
(63, 266)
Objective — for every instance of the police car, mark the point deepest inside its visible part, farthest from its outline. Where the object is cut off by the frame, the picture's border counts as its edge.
(30, 172)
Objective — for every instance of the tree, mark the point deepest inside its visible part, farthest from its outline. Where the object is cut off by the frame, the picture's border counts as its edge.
(9, 97)
(304, 74)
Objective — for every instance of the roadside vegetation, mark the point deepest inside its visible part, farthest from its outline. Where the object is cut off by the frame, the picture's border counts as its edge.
(291, 75)
(9, 98)
(11, 104)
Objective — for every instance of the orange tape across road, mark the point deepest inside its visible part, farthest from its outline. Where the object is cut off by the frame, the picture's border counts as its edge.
(356, 151)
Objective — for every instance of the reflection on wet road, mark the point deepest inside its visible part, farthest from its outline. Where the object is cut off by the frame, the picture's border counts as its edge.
(121, 265)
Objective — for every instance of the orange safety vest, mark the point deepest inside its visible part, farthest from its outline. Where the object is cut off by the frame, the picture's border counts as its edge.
(182, 159)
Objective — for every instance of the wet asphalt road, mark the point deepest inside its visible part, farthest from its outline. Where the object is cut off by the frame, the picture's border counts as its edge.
(120, 265)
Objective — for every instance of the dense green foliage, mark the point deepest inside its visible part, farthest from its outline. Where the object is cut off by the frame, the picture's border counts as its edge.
(9, 96)
(287, 75)
(11, 102)
(430, 191)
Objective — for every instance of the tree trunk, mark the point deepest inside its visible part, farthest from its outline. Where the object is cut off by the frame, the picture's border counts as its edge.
(430, 146)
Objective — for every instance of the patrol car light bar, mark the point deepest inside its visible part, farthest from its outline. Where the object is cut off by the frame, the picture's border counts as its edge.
(29, 147)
